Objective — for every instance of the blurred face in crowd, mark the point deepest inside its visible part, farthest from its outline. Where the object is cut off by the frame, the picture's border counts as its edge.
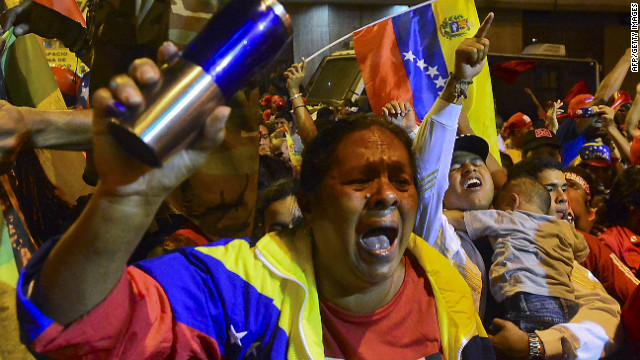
(556, 184)
(579, 202)
(603, 176)
(517, 136)
(470, 183)
(545, 151)
(282, 122)
(621, 116)
(265, 142)
(363, 212)
(281, 214)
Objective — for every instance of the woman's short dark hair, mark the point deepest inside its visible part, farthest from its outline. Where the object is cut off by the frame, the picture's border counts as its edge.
(318, 157)
(625, 193)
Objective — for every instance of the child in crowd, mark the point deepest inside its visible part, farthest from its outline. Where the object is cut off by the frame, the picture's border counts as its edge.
(534, 254)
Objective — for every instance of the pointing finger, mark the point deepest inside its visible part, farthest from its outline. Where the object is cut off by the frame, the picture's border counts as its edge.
(486, 24)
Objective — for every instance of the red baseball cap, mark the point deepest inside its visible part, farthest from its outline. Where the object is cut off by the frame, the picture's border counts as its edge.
(579, 102)
(516, 122)
(635, 151)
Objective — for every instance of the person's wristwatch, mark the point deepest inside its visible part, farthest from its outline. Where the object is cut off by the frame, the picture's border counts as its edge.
(536, 351)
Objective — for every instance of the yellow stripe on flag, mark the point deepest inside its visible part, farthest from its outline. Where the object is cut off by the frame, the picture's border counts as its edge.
(461, 15)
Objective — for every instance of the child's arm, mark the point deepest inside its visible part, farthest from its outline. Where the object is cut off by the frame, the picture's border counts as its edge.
(456, 219)
(479, 223)
(579, 246)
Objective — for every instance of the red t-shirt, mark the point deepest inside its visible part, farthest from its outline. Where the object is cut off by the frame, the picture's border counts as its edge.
(404, 329)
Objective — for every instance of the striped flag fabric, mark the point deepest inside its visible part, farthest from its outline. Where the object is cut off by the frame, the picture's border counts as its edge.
(408, 57)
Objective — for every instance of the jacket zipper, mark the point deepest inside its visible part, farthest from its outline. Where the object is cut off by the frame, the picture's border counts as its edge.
(306, 295)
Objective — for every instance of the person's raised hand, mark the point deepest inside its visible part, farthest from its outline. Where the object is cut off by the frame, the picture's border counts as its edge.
(551, 118)
(295, 74)
(472, 52)
(509, 340)
(121, 175)
(606, 116)
(402, 114)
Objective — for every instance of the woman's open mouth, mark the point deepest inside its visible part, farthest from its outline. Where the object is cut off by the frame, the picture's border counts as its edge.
(379, 241)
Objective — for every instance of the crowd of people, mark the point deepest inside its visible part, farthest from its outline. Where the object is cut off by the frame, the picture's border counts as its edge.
(372, 237)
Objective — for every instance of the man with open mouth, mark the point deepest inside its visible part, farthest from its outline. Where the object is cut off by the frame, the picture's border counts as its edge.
(471, 188)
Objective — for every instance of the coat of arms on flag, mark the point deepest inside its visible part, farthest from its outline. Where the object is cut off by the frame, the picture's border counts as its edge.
(407, 57)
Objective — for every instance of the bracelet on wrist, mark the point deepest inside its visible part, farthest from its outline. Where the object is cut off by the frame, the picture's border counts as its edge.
(535, 347)
(296, 96)
(461, 87)
(299, 106)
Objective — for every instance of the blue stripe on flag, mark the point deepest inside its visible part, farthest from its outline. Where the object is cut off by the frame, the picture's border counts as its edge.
(417, 37)
(207, 297)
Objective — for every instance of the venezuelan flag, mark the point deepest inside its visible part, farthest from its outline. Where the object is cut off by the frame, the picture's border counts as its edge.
(408, 57)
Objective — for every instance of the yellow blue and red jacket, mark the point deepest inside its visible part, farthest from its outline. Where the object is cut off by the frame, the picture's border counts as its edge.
(231, 301)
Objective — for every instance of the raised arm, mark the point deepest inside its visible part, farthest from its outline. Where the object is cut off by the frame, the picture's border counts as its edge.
(633, 116)
(551, 119)
(433, 144)
(539, 109)
(611, 83)
(403, 115)
(306, 128)
(606, 117)
(90, 258)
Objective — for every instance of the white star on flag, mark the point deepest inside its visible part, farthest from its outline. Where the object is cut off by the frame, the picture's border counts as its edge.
(440, 82)
(253, 349)
(236, 337)
(433, 71)
(421, 65)
(409, 56)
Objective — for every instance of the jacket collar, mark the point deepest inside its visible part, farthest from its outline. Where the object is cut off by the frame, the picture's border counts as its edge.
(290, 252)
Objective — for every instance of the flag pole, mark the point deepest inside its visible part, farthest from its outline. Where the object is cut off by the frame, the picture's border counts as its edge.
(373, 23)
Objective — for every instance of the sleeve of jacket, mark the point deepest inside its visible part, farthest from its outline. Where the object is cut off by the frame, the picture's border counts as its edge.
(433, 148)
(579, 245)
(616, 277)
(135, 321)
(595, 331)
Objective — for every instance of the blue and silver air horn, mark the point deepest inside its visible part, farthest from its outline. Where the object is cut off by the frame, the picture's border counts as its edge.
(238, 42)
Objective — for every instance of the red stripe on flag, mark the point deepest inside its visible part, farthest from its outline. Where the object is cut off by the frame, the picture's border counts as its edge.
(381, 65)
(68, 8)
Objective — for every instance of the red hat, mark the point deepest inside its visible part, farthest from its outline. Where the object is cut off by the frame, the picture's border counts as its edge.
(619, 98)
(276, 100)
(579, 102)
(266, 101)
(516, 122)
(635, 151)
